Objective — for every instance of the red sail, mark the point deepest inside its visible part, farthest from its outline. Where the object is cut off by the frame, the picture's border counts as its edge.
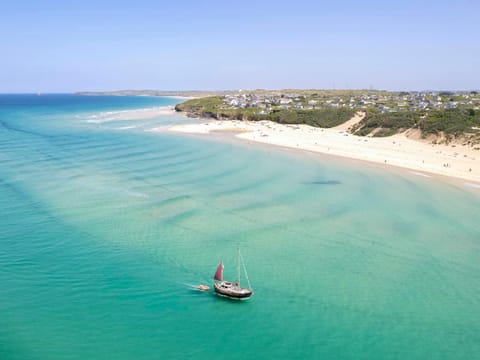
(219, 273)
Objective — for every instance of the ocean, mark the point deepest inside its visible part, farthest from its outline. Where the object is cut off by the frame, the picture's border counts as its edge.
(106, 227)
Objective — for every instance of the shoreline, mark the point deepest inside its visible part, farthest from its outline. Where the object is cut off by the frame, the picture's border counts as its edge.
(419, 157)
(131, 114)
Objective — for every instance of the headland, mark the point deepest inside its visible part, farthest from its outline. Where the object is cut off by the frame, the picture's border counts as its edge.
(427, 132)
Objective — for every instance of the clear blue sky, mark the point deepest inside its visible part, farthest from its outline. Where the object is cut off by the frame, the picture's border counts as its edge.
(55, 46)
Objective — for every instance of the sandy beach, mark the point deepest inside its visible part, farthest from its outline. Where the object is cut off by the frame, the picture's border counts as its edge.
(401, 150)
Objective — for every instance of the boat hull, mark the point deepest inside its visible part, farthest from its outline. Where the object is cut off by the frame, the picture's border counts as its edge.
(232, 291)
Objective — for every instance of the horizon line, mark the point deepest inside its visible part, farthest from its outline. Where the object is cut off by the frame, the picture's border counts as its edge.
(79, 92)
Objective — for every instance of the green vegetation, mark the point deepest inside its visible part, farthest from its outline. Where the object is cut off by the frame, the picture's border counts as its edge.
(212, 107)
(324, 118)
(444, 123)
(451, 122)
(385, 124)
(205, 107)
(454, 122)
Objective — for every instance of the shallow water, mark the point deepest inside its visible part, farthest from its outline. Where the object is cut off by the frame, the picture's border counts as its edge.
(107, 226)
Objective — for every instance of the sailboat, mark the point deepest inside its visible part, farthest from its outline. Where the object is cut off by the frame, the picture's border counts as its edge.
(232, 290)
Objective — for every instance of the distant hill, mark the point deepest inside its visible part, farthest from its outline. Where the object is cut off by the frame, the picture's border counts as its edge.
(188, 93)
(206, 93)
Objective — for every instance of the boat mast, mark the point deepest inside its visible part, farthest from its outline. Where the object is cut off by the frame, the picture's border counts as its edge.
(245, 271)
(238, 265)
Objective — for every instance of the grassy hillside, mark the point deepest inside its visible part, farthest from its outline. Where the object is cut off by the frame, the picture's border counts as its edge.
(386, 124)
(455, 122)
(204, 107)
(211, 107)
(451, 123)
(324, 118)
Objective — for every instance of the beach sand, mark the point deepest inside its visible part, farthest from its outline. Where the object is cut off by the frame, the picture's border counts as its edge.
(455, 160)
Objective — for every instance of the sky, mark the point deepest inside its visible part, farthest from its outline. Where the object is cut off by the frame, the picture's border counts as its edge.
(68, 46)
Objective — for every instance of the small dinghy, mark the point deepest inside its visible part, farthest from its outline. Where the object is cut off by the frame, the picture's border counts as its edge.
(203, 287)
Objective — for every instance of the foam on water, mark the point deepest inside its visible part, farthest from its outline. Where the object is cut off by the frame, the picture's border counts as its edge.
(473, 185)
(420, 174)
(107, 116)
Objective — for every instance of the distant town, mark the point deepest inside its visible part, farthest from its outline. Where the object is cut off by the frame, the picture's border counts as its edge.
(385, 102)
(267, 100)
(442, 114)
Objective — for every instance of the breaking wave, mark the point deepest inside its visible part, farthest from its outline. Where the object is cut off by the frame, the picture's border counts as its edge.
(136, 114)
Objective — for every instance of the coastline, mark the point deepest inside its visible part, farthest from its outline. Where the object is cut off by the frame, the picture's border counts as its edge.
(133, 114)
(419, 157)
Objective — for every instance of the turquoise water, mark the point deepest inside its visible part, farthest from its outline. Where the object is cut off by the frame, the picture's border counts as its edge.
(105, 227)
